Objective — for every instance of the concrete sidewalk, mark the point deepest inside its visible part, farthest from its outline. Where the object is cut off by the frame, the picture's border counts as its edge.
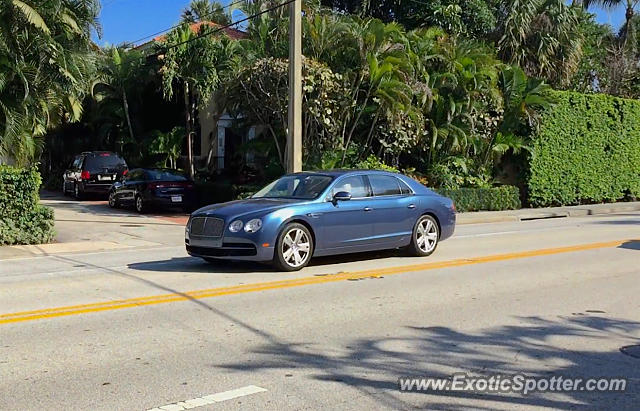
(525, 214)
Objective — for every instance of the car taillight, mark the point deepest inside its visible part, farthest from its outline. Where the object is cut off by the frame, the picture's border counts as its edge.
(125, 172)
(85, 175)
(453, 206)
(153, 186)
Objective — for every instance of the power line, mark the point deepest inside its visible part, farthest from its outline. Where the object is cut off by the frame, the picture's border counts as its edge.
(226, 26)
(179, 24)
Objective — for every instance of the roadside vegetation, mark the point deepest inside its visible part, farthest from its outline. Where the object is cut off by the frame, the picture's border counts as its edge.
(458, 94)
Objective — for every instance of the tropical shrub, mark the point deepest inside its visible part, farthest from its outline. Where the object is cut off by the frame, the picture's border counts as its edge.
(479, 199)
(22, 219)
(587, 150)
(374, 163)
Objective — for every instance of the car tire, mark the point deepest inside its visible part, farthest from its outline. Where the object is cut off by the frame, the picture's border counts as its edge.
(425, 236)
(141, 207)
(77, 193)
(113, 201)
(294, 248)
(64, 189)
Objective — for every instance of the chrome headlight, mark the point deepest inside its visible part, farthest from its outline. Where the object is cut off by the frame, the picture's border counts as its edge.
(253, 225)
(235, 226)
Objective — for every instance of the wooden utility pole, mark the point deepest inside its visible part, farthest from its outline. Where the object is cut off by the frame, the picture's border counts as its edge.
(294, 134)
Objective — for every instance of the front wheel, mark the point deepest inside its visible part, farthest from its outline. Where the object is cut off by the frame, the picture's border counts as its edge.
(294, 248)
(426, 234)
(113, 201)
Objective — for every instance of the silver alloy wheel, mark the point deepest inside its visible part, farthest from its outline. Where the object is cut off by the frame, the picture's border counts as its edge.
(139, 204)
(426, 235)
(296, 247)
(76, 191)
(112, 199)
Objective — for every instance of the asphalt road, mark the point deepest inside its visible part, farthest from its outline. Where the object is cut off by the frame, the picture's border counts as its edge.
(147, 326)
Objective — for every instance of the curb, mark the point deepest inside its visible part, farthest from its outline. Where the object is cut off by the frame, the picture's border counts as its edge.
(526, 214)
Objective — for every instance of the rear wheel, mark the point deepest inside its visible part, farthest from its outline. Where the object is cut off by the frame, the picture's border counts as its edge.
(77, 193)
(426, 234)
(64, 189)
(294, 248)
(141, 207)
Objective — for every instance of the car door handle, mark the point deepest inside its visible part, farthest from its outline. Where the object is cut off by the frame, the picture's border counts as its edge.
(411, 206)
(368, 209)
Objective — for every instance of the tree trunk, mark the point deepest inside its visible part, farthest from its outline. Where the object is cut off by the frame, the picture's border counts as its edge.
(125, 103)
(628, 29)
(188, 120)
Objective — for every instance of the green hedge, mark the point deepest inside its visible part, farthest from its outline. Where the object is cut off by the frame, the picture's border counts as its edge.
(484, 199)
(22, 219)
(587, 150)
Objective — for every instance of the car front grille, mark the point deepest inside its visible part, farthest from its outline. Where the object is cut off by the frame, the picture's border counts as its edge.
(207, 226)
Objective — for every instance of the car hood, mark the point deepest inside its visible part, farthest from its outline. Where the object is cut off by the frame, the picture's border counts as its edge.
(241, 207)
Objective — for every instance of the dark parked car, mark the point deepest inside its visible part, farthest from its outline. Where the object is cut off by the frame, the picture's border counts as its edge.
(323, 213)
(145, 188)
(93, 173)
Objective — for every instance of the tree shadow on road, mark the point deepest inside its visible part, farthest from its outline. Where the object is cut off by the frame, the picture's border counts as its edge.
(535, 347)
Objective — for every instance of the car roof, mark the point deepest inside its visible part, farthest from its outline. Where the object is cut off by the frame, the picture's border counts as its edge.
(99, 153)
(160, 169)
(342, 172)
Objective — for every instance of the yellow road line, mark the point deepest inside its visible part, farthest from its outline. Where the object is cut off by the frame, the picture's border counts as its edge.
(297, 282)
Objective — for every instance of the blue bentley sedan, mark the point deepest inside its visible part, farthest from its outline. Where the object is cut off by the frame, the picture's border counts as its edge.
(322, 213)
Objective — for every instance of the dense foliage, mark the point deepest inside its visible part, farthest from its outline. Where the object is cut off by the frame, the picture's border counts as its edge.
(22, 219)
(587, 150)
(478, 199)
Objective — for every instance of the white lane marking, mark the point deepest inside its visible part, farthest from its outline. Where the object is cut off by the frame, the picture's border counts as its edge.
(210, 399)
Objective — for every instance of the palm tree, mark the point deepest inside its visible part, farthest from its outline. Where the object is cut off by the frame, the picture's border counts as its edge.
(205, 10)
(543, 37)
(118, 71)
(630, 6)
(193, 62)
(47, 62)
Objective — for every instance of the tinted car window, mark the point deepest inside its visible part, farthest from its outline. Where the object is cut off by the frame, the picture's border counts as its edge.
(77, 163)
(354, 185)
(102, 161)
(384, 185)
(135, 175)
(404, 188)
(304, 187)
(165, 175)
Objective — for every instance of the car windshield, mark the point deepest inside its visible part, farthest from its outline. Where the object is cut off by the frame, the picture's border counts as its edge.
(304, 187)
(104, 161)
(165, 175)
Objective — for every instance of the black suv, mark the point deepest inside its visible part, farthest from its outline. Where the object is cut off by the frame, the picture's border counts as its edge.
(93, 173)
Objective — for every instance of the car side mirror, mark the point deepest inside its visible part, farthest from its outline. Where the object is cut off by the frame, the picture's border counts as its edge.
(341, 196)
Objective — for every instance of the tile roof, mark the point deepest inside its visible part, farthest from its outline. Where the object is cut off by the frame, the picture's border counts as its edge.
(195, 28)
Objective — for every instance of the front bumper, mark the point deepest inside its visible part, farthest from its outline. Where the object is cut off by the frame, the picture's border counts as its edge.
(232, 246)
